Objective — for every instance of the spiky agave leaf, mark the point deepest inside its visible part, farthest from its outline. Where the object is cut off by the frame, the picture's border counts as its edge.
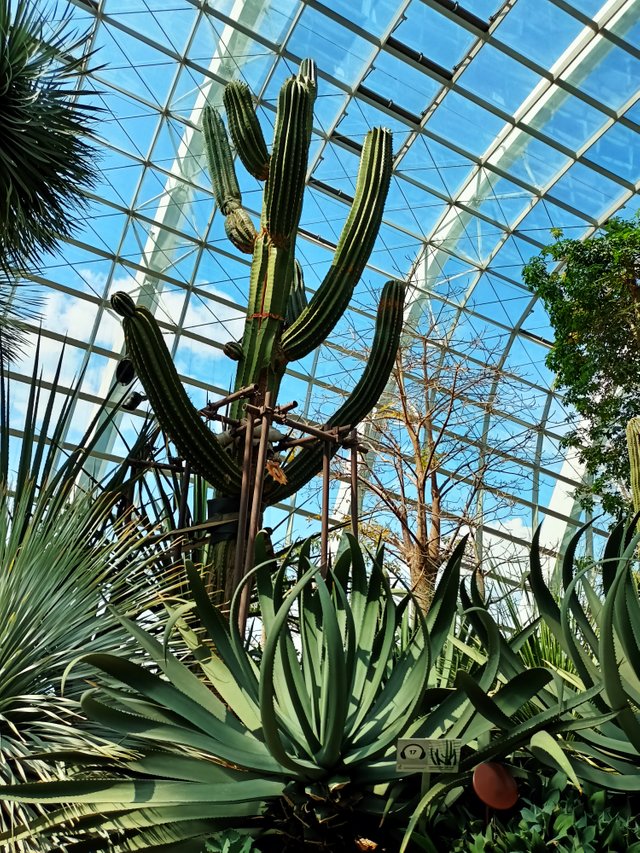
(45, 163)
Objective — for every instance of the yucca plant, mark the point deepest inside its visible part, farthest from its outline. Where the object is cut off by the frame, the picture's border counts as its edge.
(64, 558)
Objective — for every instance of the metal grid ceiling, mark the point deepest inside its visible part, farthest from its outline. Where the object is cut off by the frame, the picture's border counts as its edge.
(508, 119)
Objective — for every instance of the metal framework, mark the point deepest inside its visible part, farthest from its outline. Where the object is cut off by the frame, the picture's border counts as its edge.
(509, 119)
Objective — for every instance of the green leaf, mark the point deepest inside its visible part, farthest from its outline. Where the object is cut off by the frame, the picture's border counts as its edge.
(543, 744)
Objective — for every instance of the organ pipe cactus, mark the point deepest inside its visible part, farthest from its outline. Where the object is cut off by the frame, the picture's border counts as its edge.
(633, 445)
(280, 325)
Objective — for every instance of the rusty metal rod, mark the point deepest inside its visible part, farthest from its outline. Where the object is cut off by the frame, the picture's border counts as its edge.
(286, 443)
(245, 493)
(256, 509)
(184, 495)
(353, 435)
(211, 408)
(324, 530)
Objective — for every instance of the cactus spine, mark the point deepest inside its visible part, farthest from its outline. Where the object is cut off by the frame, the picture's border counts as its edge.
(280, 325)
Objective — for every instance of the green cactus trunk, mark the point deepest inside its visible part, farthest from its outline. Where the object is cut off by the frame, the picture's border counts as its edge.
(280, 325)
(633, 445)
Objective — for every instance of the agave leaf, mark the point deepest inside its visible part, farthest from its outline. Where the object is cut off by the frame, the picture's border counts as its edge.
(224, 670)
(226, 740)
(376, 638)
(335, 698)
(434, 793)
(615, 691)
(611, 554)
(445, 598)
(155, 792)
(626, 783)
(482, 702)
(520, 637)
(572, 599)
(546, 747)
(270, 718)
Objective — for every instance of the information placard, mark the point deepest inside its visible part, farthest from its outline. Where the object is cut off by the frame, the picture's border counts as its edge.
(428, 755)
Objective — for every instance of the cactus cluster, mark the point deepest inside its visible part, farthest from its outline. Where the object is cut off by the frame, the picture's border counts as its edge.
(281, 326)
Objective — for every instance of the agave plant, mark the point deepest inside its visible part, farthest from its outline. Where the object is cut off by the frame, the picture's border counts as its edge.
(297, 747)
(580, 718)
(280, 326)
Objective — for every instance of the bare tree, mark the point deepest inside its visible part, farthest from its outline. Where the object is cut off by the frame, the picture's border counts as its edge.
(445, 453)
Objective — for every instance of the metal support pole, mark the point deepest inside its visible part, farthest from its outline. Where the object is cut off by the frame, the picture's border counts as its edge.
(256, 509)
(245, 493)
(324, 534)
(211, 408)
(353, 438)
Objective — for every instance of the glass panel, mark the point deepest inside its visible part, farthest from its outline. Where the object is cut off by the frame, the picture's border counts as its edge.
(417, 31)
(338, 51)
(498, 79)
(539, 30)
(402, 84)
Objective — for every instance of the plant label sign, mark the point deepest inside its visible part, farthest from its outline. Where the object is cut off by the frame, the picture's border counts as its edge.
(428, 755)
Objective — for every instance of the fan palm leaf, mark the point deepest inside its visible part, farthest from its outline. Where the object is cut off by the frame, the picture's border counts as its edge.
(45, 162)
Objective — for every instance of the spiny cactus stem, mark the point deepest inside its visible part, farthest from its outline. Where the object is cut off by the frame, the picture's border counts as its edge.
(356, 242)
(633, 446)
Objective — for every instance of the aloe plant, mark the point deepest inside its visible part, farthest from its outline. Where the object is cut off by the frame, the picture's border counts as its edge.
(280, 325)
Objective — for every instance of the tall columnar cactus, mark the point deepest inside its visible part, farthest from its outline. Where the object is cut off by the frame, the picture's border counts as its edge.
(280, 325)
(633, 444)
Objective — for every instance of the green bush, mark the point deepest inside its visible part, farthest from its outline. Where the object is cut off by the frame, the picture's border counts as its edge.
(562, 819)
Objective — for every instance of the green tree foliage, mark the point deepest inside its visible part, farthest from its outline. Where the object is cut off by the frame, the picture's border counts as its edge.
(592, 296)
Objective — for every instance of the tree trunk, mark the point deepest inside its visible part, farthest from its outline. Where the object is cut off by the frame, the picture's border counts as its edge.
(424, 572)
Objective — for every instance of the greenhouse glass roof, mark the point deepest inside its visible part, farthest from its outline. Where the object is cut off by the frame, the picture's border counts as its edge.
(508, 119)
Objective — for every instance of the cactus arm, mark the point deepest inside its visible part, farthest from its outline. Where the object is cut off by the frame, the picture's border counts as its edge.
(226, 190)
(272, 270)
(288, 164)
(175, 412)
(633, 445)
(308, 462)
(238, 225)
(352, 253)
(245, 129)
(297, 296)
(240, 230)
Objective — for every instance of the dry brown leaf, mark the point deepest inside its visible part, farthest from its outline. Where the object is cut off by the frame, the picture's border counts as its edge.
(275, 471)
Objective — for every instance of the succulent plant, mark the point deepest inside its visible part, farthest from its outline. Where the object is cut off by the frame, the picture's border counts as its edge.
(298, 741)
(633, 446)
(281, 326)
